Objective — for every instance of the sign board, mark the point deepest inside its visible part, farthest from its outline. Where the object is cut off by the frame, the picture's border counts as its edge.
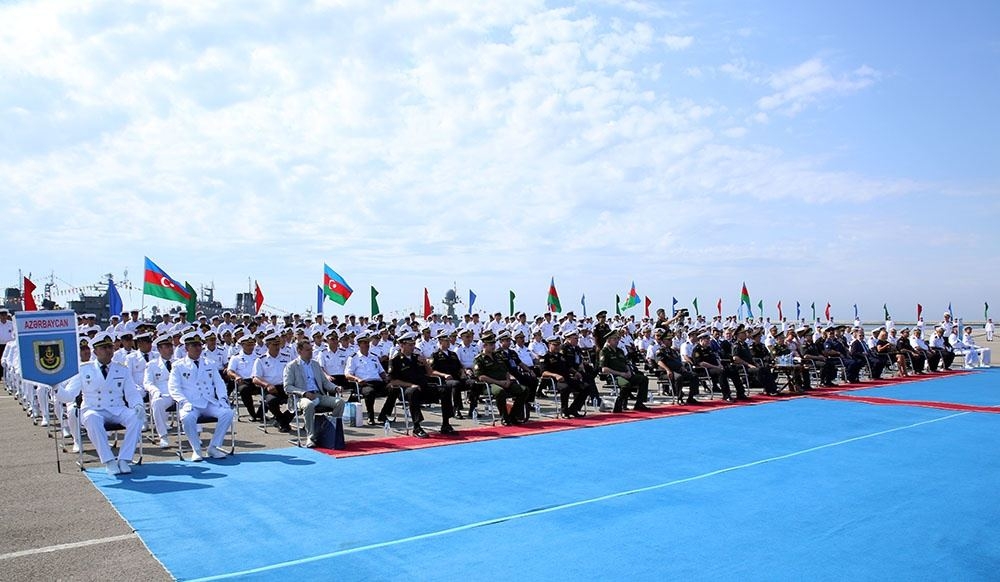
(48, 346)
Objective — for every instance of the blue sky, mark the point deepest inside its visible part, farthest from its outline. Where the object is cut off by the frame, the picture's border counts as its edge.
(828, 152)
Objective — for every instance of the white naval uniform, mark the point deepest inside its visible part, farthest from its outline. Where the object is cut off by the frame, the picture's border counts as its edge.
(199, 390)
(113, 399)
(155, 379)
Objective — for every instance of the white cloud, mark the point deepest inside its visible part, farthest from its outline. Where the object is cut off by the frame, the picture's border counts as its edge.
(443, 140)
(810, 81)
(676, 43)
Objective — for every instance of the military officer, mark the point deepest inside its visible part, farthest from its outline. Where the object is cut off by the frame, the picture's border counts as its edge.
(567, 379)
(408, 372)
(601, 329)
(109, 395)
(155, 377)
(668, 362)
(240, 372)
(743, 355)
(624, 374)
(445, 362)
(522, 372)
(268, 373)
(365, 368)
(491, 369)
(704, 357)
(199, 391)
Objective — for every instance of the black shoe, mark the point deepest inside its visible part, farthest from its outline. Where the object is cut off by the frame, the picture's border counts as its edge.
(576, 414)
(419, 432)
(743, 397)
(692, 401)
(729, 399)
(617, 408)
(447, 429)
(641, 407)
(565, 414)
(285, 428)
(371, 422)
(382, 419)
(506, 421)
(458, 414)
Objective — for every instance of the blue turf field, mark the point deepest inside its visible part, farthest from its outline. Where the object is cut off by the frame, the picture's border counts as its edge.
(800, 489)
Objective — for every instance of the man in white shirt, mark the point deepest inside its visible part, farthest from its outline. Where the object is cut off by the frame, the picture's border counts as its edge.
(109, 395)
(199, 391)
(156, 374)
(365, 368)
(268, 373)
(240, 372)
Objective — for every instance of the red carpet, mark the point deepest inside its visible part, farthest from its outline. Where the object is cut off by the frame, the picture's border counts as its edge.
(923, 403)
(403, 443)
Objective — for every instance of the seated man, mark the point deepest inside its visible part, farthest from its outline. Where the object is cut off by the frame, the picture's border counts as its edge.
(861, 352)
(155, 379)
(365, 368)
(704, 357)
(940, 345)
(269, 373)
(567, 379)
(240, 371)
(408, 372)
(669, 362)
(305, 377)
(446, 365)
(199, 391)
(614, 362)
(109, 395)
(743, 354)
(491, 369)
(976, 355)
(522, 372)
(905, 348)
(920, 345)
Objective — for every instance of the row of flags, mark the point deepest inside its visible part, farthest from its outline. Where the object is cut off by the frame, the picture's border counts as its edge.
(157, 283)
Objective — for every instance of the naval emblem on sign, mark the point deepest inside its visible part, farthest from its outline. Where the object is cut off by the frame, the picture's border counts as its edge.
(49, 355)
(48, 345)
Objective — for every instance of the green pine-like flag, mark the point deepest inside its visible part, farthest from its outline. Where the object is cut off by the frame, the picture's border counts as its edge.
(375, 310)
(760, 309)
(618, 305)
(986, 310)
(192, 302)
(814, 310)
(885, 308)
(695, 303)
(512, 296)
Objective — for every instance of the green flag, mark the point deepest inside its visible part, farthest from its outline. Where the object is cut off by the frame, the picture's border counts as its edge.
(375, 310)
(760, 309)
(885, 308)
(192, 302)
(695, 303)
(512, 302)
(814, 310)
(618, 305)
(986, 311)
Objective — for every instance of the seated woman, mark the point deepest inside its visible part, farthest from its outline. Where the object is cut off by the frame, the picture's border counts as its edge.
(886, 349)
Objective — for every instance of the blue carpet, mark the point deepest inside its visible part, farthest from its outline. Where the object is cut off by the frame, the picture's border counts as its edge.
(699, 496)
(980, 388)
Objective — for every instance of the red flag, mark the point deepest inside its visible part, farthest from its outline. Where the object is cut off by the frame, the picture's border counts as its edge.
(258, 296)
(780, 316)
(828, 312)
(427, 304)
(719, 306)
(29, 301)
(920, 310)
(648, 303)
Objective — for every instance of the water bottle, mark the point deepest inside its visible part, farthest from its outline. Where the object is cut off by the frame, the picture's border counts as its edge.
(475, 415)
(538, 409)
(387, 428)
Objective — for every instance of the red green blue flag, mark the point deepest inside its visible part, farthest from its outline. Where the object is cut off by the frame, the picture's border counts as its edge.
(158, 283)
(745, 299)
(553, 300)
(334, 286)
(632, 299)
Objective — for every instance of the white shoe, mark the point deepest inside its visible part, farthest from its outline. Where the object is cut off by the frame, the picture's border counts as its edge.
(113, 468)
(310, 443)
(196, 457)
(76, 448)
(43, 423)
(215, 453)
(66, 433)
(124, 468)
(164, 443)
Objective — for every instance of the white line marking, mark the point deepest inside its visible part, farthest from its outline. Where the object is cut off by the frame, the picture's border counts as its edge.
(68, 546)
(554, 508)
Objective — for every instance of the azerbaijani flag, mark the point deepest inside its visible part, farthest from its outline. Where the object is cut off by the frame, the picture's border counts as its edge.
(334, 286)
(553, 300)
(632, 299)
(158, 283)
(745, 299)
